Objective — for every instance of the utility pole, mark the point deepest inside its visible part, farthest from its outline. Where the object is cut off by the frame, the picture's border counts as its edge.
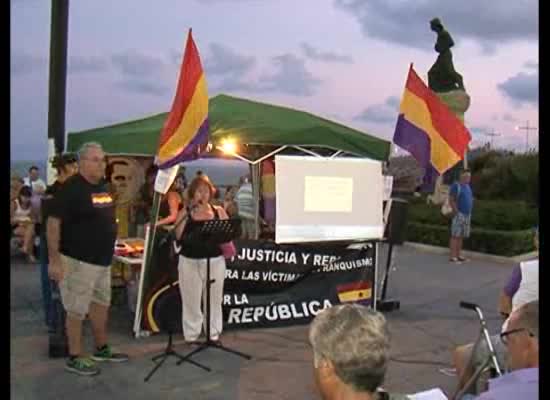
(526, 128)
(492, 135)
(58, 79)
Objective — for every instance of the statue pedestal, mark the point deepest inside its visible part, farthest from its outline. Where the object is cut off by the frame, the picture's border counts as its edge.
(458, 102)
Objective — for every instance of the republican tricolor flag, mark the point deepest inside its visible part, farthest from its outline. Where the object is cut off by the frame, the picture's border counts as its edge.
(185, 132)
(427, 129)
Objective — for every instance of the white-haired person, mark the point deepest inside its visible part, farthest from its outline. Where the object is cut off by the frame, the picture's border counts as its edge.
(351, 351)
(81, 233)
(521, 339)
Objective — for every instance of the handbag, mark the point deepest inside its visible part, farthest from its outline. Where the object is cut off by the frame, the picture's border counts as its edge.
(228, 250)
(446, 208)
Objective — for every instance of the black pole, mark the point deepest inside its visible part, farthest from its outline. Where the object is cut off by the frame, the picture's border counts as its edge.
(58, 72)
(382, 304)
(387, 274)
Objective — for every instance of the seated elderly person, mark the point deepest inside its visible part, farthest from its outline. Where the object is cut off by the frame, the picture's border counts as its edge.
(23, 221)
(351, 345)
(521, 288)
(16, 183)
(521, 339)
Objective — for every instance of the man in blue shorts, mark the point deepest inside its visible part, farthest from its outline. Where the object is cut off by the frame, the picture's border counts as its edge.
(462, 202)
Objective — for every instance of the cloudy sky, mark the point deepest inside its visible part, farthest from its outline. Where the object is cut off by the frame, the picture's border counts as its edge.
(346, 60)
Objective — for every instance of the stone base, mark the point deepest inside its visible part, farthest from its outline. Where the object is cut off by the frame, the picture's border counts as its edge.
(458, 102)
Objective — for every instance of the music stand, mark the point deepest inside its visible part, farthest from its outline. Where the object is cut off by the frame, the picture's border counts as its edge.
(214, 232)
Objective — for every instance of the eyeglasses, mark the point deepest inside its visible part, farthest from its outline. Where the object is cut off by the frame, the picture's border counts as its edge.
(504, 335)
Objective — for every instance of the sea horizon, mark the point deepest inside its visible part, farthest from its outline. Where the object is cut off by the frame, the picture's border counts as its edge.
(221, 172)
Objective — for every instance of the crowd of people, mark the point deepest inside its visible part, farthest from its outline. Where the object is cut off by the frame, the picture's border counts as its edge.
(521, 288)
(28, 194)
(75, 220)
(237, 202)
(351, 352)
(350, 343)
(25, 213)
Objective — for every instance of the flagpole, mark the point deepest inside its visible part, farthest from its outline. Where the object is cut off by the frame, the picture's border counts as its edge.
(157, 198)
(191, 76)
(145, 267)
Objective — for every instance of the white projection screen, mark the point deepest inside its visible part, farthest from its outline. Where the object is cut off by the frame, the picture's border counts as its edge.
(321, 199)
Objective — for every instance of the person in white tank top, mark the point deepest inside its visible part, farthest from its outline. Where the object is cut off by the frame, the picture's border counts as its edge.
(522, 287)
(22, 221)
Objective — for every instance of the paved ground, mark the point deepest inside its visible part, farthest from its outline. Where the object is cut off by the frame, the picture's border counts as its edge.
(424, 330)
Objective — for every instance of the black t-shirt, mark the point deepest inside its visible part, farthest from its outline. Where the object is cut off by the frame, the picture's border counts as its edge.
(46, 203)
(88, 222)
(47, 199)
(198, 249)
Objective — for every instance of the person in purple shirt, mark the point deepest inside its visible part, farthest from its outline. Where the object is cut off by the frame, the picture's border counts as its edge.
(521, 338)
(521, 287)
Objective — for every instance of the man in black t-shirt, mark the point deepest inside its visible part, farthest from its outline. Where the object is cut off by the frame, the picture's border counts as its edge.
(81, 235)
(66, 166)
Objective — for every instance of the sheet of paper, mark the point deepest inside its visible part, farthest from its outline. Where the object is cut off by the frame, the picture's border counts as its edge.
(432, 394)
(165, 178)
(328, 194)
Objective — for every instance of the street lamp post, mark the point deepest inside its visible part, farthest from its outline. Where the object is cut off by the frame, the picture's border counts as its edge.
(58, 79)
(491, 134)
(526, 128)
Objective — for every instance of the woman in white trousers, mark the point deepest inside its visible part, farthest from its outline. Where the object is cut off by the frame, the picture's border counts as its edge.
(192, 264)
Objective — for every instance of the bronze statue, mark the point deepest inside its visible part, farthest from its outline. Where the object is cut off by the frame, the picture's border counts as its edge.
(442, 76)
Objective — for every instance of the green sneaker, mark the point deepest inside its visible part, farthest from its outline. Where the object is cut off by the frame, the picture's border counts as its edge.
(82, 366)
(107, 354)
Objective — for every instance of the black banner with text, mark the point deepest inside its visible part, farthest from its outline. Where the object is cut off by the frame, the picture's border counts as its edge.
(269, 285)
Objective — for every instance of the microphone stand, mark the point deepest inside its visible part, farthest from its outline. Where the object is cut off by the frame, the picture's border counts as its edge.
(215, 231)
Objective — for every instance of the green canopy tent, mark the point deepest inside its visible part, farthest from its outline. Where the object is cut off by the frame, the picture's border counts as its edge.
(259, 129)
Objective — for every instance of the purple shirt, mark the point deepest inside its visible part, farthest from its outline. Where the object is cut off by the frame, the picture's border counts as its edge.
(520, 384)
(512, 285)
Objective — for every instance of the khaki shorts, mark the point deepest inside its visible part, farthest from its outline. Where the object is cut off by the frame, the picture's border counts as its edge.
(82, 284)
